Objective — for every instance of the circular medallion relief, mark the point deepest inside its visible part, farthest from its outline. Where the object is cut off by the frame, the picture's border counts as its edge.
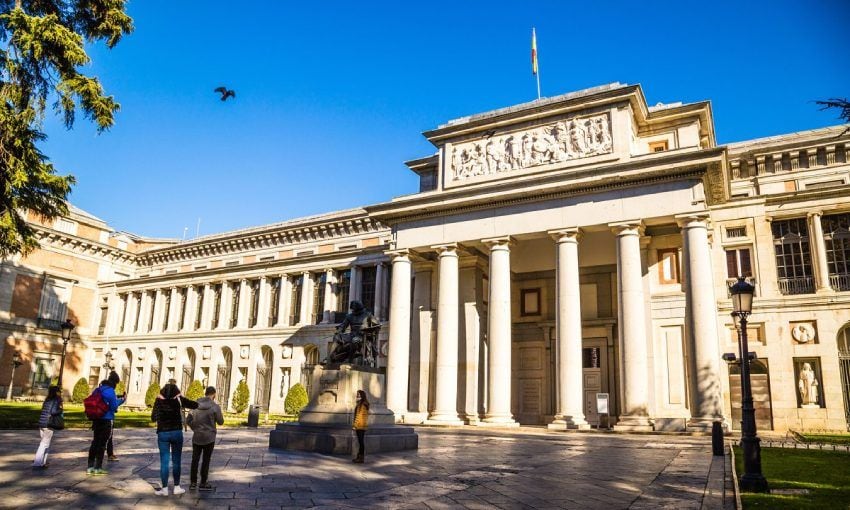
(803, 333)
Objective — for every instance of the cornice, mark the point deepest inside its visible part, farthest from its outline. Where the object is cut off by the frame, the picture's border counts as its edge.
(55, 239)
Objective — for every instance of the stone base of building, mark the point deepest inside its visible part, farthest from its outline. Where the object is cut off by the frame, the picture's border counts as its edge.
(341, 440)
(567, 425)
(445, 423)
(505, 424)
(633, 424)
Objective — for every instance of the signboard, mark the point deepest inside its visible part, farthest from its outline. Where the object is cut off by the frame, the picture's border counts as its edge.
(602, 403)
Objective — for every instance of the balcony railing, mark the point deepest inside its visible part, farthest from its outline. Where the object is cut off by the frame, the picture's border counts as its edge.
(839, 282)
(791, 286)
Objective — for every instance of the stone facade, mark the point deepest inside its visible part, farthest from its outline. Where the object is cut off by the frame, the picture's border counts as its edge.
(571, 246)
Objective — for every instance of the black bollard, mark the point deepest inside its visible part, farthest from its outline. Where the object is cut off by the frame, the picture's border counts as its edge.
(717, 438)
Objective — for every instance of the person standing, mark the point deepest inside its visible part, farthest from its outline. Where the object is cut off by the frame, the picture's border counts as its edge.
(361, 422)
(51, 407)
(113, 380)
(102, 428)
(203, 422)
(167, 413)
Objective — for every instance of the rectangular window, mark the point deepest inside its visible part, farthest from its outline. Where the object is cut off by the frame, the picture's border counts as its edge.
(836, 235)
(254, 286)
(659, 146)
(738, 263)
(295, 301)
(234, 304)
(55, 296)
(367, 287)
(101, 324)
(199, 305)
(343, 287)
(274, 300)
(152, 301)
(216, 305)
(668, 266)
(736, 232)
(529, 302)
(181, 295)
(43, 372)
(319, 282)
(793, 256)
(166, 310)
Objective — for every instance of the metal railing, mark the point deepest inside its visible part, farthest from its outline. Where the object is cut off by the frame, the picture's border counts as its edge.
(839, 282)
(791, 286)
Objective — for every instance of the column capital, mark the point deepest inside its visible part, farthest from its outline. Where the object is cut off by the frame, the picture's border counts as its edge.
(627, 228)
(689, 219)
(446, 250)
(498, 243)
(400, 254)
(565, 235)
(811, 214)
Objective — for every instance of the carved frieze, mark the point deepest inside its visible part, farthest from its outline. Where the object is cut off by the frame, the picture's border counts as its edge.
(575, 138)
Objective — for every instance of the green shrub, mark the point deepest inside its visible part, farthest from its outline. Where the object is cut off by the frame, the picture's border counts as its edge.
(150, 395)
(296, 399)
(120, 388)
(195, 391)
(81, 391)
(241, 397)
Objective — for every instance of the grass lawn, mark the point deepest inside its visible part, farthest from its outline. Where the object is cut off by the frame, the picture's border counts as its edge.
(825, 474)
(842, 439)
(24, 415)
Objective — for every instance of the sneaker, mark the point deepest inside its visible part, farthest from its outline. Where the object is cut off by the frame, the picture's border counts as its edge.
(113, 458)
(100, 472)
(193, 486)
(90, 471)
(207, 487)
(179, 490)
(162, 491)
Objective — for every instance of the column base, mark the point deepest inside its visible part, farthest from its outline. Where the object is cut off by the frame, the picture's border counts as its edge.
(568, 423)
(497, 421)
(445, 420)
(706, 424)
(633, 424)
(824, 290)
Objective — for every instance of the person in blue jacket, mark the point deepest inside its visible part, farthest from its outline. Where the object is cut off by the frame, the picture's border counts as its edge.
(102, 427)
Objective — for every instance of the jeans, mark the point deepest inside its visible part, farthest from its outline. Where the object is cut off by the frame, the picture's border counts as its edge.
(43, 447)
(102, 431)
(170, 440)
(197, 451)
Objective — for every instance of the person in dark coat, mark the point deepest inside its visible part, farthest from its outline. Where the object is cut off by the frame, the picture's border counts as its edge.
(168, 415)
(52, 406)
(203, 422)
(113, 381)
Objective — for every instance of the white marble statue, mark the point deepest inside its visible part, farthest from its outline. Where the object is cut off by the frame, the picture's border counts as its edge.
(808, 385)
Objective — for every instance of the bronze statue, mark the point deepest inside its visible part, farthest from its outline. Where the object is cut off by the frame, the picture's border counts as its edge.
(359, 346)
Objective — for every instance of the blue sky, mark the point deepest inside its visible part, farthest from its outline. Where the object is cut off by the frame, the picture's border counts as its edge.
(332, 97)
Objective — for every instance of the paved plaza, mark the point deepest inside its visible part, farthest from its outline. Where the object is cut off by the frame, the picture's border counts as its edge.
(453, 468)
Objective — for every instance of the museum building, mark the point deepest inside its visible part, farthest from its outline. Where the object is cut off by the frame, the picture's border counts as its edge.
(556, 253)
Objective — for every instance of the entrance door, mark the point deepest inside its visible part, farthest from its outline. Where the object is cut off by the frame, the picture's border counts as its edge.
(594, 364)
(529, 376)
(844, 365)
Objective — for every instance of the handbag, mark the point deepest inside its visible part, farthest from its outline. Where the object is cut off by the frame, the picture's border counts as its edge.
(56, 421)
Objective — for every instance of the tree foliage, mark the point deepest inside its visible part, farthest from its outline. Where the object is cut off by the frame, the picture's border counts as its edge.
(120, 388)
(842, 105)
(296, 399)
(241, 397)
(81, 391)
(150, 395)
(195, 391)
(42, 50)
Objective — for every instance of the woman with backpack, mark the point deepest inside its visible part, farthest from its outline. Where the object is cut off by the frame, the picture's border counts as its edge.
(168, 415)
(50, 420)
(101, 406)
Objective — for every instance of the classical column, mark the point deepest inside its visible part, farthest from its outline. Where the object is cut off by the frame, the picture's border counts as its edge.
(499, 334)
(398, 351)
(632, 328)
(570, 411)
(144, 304)
(263, 303)
(174, 310)
(701, 306)
(283, 303)
(207, 307)
(158, 311)
(224, 306)
(380, 275)
(306, 298)
(244, 304)
(328, 305)
(819, 252)
(445, 405)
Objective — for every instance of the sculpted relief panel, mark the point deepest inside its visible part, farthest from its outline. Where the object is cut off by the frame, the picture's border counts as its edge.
(553, 143)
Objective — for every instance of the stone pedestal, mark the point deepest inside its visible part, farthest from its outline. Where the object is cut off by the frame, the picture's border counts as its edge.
(325, 424)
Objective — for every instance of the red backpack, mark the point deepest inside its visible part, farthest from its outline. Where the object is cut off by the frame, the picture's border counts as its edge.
(96, 407)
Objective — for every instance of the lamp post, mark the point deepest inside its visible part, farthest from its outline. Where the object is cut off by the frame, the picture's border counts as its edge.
(107, 365)
(67, 329)
(16, 362)
(753, 479)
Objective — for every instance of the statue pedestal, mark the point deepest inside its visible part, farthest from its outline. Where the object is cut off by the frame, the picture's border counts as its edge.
(325, 424)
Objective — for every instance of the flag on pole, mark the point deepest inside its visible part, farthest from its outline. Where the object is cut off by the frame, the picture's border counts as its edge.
(533, 52)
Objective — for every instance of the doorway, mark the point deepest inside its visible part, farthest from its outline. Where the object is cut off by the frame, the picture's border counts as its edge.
(760, 385)
(594, 362)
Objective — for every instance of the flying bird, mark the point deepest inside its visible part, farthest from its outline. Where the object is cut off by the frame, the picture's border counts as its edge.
(225, 93)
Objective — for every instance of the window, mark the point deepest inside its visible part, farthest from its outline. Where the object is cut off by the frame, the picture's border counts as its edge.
(166, 310)
(836, 235)
(343, 287)
(230, 263)
(216, 305)
(738, 263)
(319, 297)
(529, 302)
(793, 256)
(181, 295)
(668, 266)
(43, 371)
(199, 305)
(274, 301)
(54, 302)
(254, 289)
(367, 287)
(234, 304)
(101, 324)
(267, 258)
(295, 300)
(428, 181)
(152, 300)
(736, 232)
(659, 146)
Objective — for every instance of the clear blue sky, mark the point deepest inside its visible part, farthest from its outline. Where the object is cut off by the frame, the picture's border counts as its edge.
(332, 97)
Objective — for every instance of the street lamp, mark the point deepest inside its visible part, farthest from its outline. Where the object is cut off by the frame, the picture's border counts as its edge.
(107, 365)
(16, 362)
(742, 304)
(67, 329)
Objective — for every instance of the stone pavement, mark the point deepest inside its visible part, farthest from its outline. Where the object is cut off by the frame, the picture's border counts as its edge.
(453, 468)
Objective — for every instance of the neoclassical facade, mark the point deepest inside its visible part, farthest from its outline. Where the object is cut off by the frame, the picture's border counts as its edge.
(565, 263)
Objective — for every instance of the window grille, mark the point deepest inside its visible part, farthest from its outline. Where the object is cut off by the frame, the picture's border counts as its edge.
(793, 256)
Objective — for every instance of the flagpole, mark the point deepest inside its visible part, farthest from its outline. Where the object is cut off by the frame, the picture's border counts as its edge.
(538, 84)
(534, 64)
